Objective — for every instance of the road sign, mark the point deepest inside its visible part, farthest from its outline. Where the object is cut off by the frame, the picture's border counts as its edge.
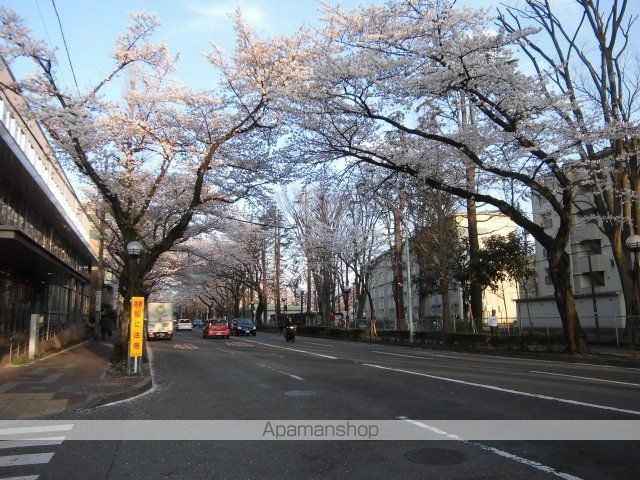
(137, 323)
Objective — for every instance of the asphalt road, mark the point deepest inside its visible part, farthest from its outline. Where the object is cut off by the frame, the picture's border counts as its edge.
(263, 377)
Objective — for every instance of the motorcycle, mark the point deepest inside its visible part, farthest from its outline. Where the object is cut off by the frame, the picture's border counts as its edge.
(290, 333)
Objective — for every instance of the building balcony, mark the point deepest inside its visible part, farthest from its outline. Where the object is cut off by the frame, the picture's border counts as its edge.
(581, 264)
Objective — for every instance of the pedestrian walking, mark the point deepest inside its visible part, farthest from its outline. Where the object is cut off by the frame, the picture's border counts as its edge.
(493, 323)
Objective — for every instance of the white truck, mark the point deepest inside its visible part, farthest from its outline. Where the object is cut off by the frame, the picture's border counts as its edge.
(159, 320)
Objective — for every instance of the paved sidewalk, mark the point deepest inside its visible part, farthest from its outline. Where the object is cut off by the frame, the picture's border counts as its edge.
(616, 352)
(75, 378)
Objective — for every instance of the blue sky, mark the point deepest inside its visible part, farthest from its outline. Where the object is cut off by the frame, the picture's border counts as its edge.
(91, 26)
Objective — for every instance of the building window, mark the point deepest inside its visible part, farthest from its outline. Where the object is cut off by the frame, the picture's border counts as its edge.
(547, 277)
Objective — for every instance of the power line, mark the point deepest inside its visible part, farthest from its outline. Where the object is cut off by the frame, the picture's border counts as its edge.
(64, 40)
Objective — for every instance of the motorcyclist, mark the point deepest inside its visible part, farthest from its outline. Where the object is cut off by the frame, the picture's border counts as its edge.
(289, 329)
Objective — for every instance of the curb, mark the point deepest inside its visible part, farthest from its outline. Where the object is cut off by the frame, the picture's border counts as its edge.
(599, 359)
(140, 387)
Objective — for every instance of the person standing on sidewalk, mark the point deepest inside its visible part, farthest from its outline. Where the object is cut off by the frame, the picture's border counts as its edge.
(493, 323)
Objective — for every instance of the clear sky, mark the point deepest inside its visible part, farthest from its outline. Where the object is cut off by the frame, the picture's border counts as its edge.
(91, 26)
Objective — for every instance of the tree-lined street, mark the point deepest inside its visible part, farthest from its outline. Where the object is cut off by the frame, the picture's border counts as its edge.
(441, 200)
(253, 379)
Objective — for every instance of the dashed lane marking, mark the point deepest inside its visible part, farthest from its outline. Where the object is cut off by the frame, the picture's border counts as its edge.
(280, 371)
(185, 346)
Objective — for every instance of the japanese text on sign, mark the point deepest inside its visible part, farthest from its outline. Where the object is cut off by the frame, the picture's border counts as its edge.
(137, 324)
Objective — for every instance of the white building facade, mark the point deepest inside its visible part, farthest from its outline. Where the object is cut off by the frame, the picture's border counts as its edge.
(595, 279)
(427, 310)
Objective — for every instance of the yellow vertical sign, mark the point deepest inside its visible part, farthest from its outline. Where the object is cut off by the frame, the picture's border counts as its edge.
(137, 323)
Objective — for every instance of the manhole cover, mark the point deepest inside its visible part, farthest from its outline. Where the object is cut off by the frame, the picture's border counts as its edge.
(299, 393)
(436, 456)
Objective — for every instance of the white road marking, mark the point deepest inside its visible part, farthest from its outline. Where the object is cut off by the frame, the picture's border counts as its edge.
(24, 477)
(4, 444)
(26, 459)
(473, 357)
(185, 346)
(320, 344)
(586, 378)
(506, 390)
(400, 355)
(280, 371)
(501, 453)
(294, 350)
(38, 429)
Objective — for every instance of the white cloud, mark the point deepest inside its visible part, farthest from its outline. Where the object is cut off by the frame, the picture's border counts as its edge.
(252, 14)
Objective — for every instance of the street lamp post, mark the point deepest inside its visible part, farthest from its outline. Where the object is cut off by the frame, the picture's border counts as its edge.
(134, 249)
(346, 291)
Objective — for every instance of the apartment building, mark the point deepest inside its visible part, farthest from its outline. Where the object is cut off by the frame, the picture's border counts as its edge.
(595, 278)
(427, 309)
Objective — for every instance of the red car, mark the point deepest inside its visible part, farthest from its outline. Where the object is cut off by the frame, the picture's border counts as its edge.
(216, 328)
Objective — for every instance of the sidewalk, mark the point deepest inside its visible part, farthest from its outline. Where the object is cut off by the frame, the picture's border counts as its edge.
(74, 378)
(615, 352)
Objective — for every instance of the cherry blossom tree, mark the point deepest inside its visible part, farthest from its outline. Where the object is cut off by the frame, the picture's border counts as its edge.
(589, 62)
(162, 156)
(379, 91)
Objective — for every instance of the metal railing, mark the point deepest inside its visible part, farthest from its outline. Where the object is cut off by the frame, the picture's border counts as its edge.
(19, 342)
(611, 328)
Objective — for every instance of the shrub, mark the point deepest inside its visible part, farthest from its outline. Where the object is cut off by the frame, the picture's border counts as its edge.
(311, 330)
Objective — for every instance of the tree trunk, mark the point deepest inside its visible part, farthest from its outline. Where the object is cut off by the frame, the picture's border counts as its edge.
(630, 289)
(559, 270)
(446, 309)
(472, 225)
(398, 270)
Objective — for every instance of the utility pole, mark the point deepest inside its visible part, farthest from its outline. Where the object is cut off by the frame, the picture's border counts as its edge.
(276, 251)
(593, 297)
(264, 282)
(308, 253)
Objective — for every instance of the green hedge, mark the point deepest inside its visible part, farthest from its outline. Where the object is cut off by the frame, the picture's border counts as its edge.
(346, 333)
(311, 330)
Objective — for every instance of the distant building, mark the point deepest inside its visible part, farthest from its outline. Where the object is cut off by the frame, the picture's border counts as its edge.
(427, 309)
(586, 243)
(45, 256)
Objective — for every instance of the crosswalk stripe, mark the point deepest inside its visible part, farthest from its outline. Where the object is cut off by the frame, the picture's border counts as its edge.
(38, 429)
(26, 459)
(4, 444)
(27, 477)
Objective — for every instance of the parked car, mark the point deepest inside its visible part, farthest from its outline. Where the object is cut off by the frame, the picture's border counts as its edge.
(216, 328)
(243, 326)
(184, 324)
(197, 323)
